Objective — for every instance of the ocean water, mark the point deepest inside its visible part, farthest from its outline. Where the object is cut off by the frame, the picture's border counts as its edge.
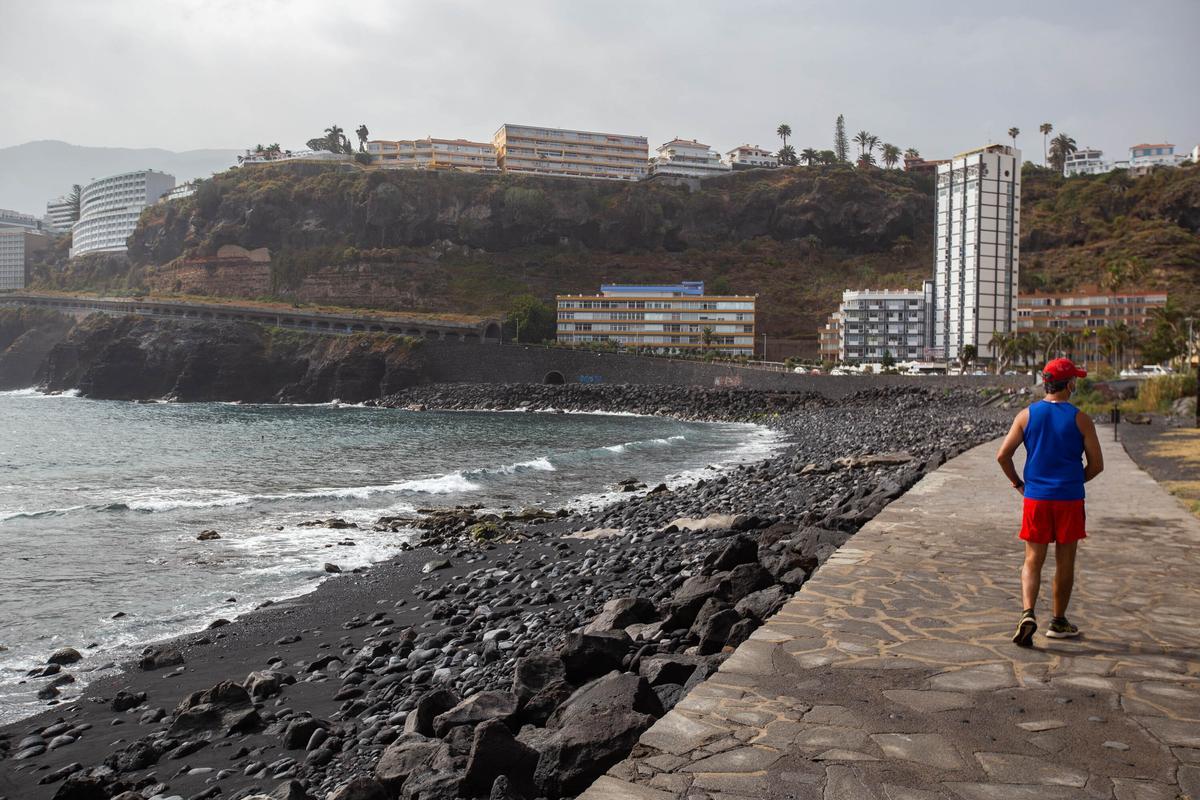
(101, 502)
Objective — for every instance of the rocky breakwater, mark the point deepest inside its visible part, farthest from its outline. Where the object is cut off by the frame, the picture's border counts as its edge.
(519, 665)
(134, 358)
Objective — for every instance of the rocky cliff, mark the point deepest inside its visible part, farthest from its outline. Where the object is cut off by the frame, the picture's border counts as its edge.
(469, 243)
(127, 358)
(27, 335)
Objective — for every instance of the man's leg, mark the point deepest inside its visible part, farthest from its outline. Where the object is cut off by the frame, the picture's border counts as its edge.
(1064, 576)
(1031, 573)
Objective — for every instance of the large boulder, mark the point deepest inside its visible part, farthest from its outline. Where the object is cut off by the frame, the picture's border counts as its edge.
(360, 789)
(763, 603)
(299, 731)
(476, 709)
(495, 753)
(620, 613)
(747, 578)
(408, 754)
(226, 708)
(262, 684)
(713, 632)
(429, 705)
(534, 673)
(160, 657)
(616, 691)
(675, 668)
(584, 748)
(740, 550)
(590, 655)
(64, 655)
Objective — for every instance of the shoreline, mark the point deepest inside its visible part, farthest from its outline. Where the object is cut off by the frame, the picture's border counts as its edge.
(386, 609)
(114, 661)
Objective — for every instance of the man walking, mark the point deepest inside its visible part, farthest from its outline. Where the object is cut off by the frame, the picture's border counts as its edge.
(1057, 438)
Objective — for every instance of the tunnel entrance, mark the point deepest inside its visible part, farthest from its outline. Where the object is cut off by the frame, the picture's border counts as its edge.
(554, 377)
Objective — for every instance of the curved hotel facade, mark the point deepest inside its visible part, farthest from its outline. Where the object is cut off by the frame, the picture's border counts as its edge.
(109, 209)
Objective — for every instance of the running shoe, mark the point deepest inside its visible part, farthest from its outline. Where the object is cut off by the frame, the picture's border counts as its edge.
(1025, 630)
(1060, 628)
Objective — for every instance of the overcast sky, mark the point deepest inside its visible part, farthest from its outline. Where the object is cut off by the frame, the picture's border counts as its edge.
(942, 77)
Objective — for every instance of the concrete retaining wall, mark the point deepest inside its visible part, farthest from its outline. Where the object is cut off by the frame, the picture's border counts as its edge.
(449, 362)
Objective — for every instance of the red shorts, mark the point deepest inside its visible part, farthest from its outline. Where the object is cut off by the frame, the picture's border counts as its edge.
(1046, 521)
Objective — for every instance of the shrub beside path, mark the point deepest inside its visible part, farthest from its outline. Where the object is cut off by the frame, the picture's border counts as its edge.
(890, 675)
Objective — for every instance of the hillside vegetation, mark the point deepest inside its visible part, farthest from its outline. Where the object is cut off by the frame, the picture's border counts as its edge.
(471, 243)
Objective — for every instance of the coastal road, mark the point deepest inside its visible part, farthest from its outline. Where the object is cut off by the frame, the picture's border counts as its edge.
(890, 675)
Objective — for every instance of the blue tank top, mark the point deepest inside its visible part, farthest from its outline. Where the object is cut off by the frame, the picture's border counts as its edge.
(1054, 453)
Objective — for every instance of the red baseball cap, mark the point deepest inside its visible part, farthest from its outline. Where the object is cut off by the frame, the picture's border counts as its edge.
(1062, 369)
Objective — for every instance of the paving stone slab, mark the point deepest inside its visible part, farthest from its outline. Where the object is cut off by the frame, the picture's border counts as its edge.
(931, 749)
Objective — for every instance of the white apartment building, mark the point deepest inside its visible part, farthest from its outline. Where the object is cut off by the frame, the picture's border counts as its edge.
(878, 323)
(977, 250)
(1086, 161)
(17, 244)
(293, 155)
(1146, 156)
(671, 318)
(570, 154)
(60, 215)
(109, 209)
(179, 192)
(751, 157)
(687, 158)
(431, 153)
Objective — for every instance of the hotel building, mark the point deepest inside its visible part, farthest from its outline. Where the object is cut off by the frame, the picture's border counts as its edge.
(688, 159)
(60, 215)
(431, 153)
(570, 154)
(976, 250)
(17, 245)
(1086, 310)
(751, 157)
(109, 209)
(663, 318)
(876, 323)
(1145, 156)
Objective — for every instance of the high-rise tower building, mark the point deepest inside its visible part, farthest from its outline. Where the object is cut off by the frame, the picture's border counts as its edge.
(976, 250)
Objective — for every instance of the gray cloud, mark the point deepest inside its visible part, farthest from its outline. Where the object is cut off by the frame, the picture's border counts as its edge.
(940, 76)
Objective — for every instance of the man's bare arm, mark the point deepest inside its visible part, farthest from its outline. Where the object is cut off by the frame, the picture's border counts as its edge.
(1091, 447)
(1016, 435)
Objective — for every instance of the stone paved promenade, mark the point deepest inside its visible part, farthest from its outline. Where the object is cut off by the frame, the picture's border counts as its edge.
(890, 675)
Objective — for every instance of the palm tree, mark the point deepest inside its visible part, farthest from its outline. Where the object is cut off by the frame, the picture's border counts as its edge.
(829, 157)
(783, 132)
(273, 150)
(1003, 346)
(1061, 146)
(787, 156)
(73, 200)
(1013, 133)
(861, 139)
(1027, 347)
(809, 156)
(912, 152)
(334, 137)
(966, 355)
(1046, 129)
(891, 155)
(363, 135)
(872, 143)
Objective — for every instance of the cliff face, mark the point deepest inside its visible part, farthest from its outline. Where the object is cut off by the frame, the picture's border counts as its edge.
(469, 243)
(126, 358)
(27, 336)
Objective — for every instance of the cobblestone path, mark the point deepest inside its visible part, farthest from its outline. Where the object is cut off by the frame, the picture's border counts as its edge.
(890, 675)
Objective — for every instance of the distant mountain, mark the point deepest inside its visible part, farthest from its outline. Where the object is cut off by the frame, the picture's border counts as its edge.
(34, 172)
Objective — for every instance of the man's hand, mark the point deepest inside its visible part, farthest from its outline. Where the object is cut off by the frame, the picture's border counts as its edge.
(1016, 435)
(1020, 487)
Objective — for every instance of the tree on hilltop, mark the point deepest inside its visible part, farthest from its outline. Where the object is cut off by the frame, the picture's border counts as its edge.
(809, 156)
(1013, 133)
(861, 138)
(828, 157)
(890, 154)
(841, 147)
(1061, 147)
(363, 135)
(783, 132)
(912, 152)
(787, 156)
(1046, 129)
